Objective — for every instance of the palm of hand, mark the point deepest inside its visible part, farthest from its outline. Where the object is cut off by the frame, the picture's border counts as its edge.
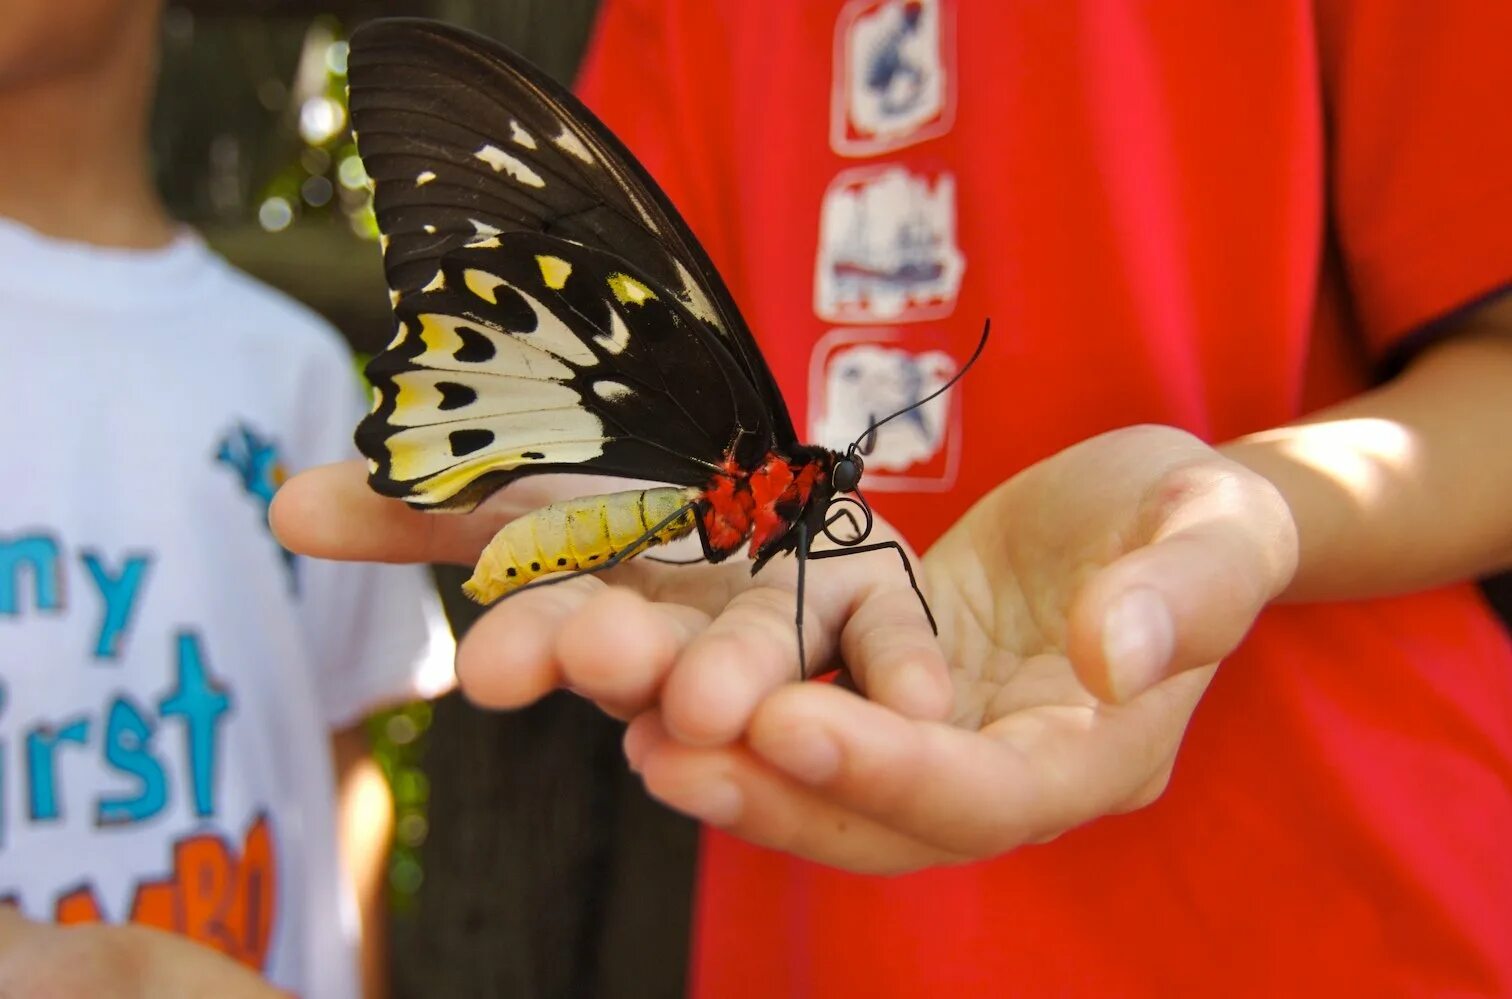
(1039, 590)
(1006, 641)
(1013, 568)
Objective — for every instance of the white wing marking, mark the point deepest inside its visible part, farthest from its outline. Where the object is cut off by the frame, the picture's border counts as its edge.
(502, 162)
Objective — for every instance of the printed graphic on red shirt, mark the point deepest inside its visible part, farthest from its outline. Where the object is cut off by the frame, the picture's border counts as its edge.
(892, 81)
(887, 247)
(859, 376)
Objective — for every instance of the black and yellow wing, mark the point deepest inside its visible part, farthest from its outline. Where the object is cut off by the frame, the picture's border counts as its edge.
(553, 312)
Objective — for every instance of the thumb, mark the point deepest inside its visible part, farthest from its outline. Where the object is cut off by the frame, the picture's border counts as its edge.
(1188, 597)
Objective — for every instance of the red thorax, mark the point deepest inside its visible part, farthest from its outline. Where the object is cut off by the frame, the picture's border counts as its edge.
(761, 504)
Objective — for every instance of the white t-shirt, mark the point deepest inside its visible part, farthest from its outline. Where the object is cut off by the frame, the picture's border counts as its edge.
(169, 676)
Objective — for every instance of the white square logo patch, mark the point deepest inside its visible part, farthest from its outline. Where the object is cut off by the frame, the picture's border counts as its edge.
(860, 376)
(892, 83)
(887, 247)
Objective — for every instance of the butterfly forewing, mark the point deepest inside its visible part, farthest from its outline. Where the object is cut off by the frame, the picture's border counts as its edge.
(463, 138)
(526, 338)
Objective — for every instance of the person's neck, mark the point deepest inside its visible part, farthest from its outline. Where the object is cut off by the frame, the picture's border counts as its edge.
(75, 164)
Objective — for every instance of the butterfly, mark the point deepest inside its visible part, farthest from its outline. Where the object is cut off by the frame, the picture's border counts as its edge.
(553, 313)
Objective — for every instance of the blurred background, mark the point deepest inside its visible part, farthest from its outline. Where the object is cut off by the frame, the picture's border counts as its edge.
(528, 862)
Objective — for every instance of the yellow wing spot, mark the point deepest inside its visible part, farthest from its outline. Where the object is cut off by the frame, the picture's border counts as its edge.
(409, 397)
(628, 290)
(554, 271)
(424, 177)
(436, 283)
(393, 298)
(482, 284)
(438, 334)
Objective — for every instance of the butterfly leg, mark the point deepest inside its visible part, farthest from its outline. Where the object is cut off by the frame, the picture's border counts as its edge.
(801, 552)
(876, 547)
(675, 561)
(842, 515)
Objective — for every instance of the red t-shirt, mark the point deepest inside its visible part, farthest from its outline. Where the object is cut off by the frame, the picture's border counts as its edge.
(1212, 215)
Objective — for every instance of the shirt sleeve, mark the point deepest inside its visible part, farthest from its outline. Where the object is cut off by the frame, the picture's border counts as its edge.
(377, 635)
(1420, 146)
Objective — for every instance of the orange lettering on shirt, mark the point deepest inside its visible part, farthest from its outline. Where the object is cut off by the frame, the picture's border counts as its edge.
(206, 882)
(156, 905)
(250, 918)
(78, 906)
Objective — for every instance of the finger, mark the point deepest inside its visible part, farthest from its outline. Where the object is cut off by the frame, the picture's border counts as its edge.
(617, 647)
(707, 587)
(330, 512)
(893, 656)
(728, 788)
(750, 648)
(1224, 550)
(1024, 779)
(508, 657)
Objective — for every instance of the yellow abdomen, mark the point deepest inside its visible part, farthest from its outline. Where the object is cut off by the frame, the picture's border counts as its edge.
(576, 534)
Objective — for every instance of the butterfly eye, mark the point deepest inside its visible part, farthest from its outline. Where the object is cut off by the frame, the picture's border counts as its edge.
(846, 475)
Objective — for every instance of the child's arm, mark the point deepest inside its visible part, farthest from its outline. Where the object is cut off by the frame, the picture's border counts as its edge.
(1407, 486)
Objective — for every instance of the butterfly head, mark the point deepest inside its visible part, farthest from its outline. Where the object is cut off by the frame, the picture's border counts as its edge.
(847, 519)
(845, 474)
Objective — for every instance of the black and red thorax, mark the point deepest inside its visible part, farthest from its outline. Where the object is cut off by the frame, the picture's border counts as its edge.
(764, 503)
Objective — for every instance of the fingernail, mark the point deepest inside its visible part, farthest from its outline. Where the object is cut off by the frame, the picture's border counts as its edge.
(718, 803)
(807, 754)
(1138, 639)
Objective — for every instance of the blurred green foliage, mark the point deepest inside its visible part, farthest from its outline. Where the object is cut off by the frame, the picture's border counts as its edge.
(398, 743)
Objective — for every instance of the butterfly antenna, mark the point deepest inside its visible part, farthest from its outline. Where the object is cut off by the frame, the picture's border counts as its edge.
(981, 345)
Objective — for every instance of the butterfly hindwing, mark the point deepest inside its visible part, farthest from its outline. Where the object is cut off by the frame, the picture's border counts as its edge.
(525, 353)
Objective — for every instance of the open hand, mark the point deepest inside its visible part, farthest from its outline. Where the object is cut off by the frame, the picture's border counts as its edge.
(1081, 604)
